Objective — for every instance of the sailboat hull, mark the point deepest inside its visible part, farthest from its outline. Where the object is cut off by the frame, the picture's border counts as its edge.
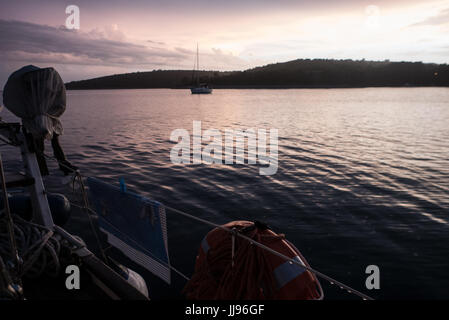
(200, 90)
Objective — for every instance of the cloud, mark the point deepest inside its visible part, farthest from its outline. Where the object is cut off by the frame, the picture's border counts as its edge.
(23, 41)
(219, 56)
(439, 19)
(185, 51)
(156, 42)
(217, 59)
(110, 32)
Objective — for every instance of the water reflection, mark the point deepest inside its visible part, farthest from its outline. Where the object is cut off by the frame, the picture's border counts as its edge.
(363, 174)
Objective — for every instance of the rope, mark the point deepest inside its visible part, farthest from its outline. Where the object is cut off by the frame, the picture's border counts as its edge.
(86, 207)
(9, 222)
(36, 245)
(8, 289)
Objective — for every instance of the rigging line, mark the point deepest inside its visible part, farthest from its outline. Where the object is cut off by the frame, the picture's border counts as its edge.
(39, 248)
(262, 246)
(137, 244)
(86, 204)
(193, 71)
(12, 239)
(77, 176)
(180, 273)
(6, 142)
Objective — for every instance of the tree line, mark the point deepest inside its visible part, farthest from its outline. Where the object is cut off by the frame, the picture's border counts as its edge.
(301, 73)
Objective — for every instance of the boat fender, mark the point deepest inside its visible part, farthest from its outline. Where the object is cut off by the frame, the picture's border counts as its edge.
(20, 204)
(131, 276)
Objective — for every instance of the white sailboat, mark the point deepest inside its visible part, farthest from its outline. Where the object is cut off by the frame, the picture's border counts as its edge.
(198, 88)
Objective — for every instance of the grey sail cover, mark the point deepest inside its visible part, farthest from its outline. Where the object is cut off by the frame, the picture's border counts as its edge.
(38, 97)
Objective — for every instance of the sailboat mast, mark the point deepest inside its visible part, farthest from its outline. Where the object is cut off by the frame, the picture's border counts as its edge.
(197, 65)
(199, 88)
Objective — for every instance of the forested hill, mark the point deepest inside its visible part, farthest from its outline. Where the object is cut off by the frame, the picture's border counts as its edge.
(303, 73)
(140, 80)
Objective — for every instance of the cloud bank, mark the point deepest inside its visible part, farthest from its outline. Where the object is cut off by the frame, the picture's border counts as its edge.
(23, 41)
(100, 51)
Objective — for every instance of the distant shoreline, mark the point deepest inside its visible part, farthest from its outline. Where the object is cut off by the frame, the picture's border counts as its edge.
(295, 74)
(269, 87)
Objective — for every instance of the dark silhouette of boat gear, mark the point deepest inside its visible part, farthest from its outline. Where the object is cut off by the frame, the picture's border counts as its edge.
(38, 97)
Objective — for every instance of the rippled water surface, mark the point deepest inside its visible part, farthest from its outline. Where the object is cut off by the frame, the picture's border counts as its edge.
(363, 174)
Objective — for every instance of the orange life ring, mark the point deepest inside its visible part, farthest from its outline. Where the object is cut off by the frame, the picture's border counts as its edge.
(230, 267)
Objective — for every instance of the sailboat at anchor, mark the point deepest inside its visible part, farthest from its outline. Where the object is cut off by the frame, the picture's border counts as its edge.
(197, 87)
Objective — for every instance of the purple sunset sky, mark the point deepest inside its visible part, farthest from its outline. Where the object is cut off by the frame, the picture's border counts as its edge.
(118, 36)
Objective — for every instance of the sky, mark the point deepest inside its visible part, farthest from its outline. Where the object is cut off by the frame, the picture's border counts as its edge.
(118, 36)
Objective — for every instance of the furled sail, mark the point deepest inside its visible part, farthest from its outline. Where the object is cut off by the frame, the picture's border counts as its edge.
(38, 97)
